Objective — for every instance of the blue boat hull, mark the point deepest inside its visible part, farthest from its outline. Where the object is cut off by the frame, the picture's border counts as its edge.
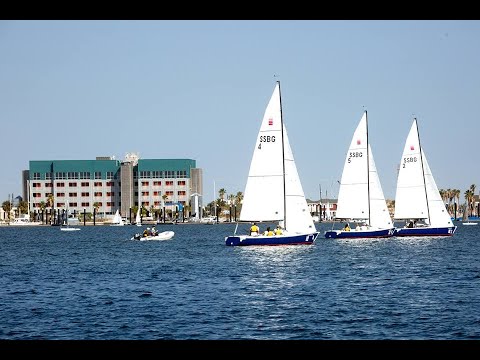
(354, 234)
(244, 240)
(426, 231)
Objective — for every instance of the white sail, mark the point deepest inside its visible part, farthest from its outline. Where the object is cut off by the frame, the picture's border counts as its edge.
(138, 219)
(360, 195)
(298, 217)
(117, 219)
(417, 195)
(266, 194)
(379, 214)
(264, 191)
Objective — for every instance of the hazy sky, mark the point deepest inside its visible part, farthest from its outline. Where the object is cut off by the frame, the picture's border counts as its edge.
(198, 89)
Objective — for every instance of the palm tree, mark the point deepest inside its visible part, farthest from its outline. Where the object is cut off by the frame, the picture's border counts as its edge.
(50, 200)
(469, 201)
(7, 207)
(23, 207)
(96, 206)
(472, 189)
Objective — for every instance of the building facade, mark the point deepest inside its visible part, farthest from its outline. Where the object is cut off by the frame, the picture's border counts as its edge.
(110, 184)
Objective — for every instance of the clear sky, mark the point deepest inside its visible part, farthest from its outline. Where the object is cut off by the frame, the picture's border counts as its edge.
(198, 89)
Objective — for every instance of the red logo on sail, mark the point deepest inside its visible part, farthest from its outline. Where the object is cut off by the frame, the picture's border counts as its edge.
(359, 142)
(270, 122)
(412, 147)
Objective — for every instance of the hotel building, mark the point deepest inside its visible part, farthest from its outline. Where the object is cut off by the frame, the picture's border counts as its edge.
(113, 184)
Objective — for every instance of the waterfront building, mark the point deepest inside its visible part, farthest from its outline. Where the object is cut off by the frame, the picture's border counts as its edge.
(112, 184)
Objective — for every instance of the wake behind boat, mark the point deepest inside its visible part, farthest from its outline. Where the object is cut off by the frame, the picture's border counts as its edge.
(417, 200)
(273, 192)
(360, 197)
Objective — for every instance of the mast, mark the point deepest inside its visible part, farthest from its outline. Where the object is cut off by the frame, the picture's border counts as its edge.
(423, 170)
(283, 161)
(368, 169)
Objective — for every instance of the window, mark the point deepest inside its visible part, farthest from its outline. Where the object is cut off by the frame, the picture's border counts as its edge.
(110, 194)
(73, 204)
(157, 174)
(110, 203)
(97, 183)
(72, 175)
(181, 183)
(145, 183)
(169, 183)
(109, 174)
(182, 192)
(35, 195)
(60, 175)
(109, 183)
(169, 193)
(37, 185)
(85, 184)
(72, 194)
(156, 203)
(84, 175)
(61, 184)
(36, 176)
(98, 175)
(97, 194)
(72, 184)
(85, 194)
(157, 183)
(145, 193)
(85, 204)
(157, 193)
(145, 174)
(48, 176)
(48, 185)
(60, 194)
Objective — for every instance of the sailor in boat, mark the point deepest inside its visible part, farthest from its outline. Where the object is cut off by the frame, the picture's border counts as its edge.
(254, 230)
(278, 230)
(410, 224)
(147, 232)
(268, 232)
(154, 231)
(346, 227)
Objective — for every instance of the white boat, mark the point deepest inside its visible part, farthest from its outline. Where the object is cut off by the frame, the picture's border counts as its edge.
(360, 197)
(138, 218)
(165, 235)
(273, 192)
(117, 219)
(417, 200)
(66, 226)
(209, 220)
(24, 220)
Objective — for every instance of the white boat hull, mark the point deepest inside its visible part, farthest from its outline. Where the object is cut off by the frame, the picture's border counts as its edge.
(165, 235)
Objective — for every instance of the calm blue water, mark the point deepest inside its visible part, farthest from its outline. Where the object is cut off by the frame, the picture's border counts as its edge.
(98, 284)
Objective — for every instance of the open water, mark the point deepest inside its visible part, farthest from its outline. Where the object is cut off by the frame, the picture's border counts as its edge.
(98, 284)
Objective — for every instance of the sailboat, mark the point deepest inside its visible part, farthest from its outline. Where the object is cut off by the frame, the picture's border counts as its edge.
(138, 218)
(417, 200)
(360, 196)
(273, 192)
(117, 219)
(67, 227)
